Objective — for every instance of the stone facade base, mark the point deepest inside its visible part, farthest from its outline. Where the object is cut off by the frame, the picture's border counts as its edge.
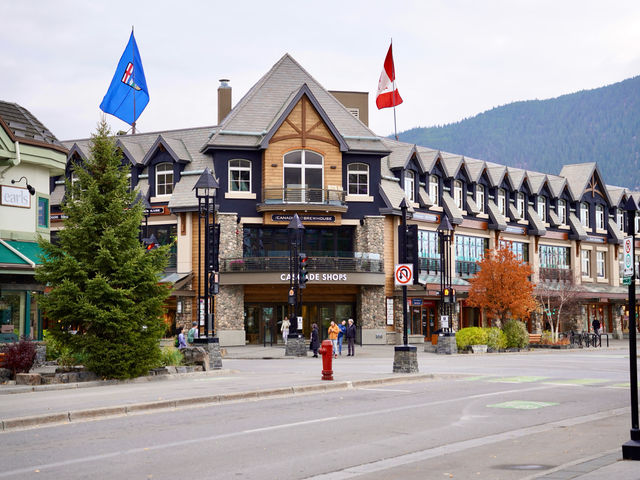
(447, 345)
(212, 347)
(231, 338)
(391, 338)
(374, 336)
(415, 339)
(296, 347)
(405, 359)
(197, 356)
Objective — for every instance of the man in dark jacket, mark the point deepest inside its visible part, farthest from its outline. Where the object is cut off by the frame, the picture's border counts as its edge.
(351, 338)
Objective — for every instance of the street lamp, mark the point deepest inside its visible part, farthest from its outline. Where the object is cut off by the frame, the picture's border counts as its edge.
(205, 188)
(32, 190)
(445, 233)
(631, 449)
(295, 342)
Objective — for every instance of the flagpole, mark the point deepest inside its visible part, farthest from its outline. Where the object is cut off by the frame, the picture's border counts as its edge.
(395, 128)
(133, 74)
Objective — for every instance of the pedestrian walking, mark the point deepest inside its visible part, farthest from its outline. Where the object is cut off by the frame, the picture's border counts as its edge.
(333, 336)
(192, 334)
(284, 328)
(596, 326)
(351, 338)
(343, 329)
(181, 341)
(315, 340)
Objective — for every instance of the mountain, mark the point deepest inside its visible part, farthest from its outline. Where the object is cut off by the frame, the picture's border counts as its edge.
(599, 125)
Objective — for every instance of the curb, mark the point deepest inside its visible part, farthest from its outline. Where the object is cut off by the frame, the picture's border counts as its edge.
(20, 423)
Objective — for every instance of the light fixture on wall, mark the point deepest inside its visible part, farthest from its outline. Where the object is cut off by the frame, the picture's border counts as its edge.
(32, 190)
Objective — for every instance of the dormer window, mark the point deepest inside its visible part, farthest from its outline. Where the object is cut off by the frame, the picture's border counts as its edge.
(358, 179)
(502, 202)
(480, 197)
(239, 175)
(584, 214)
(434, 189)
(409, 185)
(599, 217)
(542, 207)
(637, 223)
(562, 211)
(620, 219)
(164, 179)
(520, 203)
(457, 193)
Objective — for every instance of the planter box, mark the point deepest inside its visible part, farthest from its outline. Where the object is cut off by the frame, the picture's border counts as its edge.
(479, 348)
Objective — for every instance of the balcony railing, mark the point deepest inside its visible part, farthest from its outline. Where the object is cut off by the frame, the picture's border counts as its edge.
(558, 274)
(466, 268)
(320, 196)
(320, 264)
(430, 265)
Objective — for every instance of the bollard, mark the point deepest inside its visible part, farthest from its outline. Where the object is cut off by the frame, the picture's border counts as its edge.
(326, 350)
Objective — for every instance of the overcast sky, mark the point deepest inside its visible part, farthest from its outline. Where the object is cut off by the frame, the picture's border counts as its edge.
(453, 59)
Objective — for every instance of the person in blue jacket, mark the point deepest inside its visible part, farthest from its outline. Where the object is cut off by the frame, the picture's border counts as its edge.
(343, 330)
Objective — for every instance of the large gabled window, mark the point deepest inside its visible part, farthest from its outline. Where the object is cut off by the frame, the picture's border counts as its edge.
(520, 203)
(358, 179)
(239, 175)
(600, 217)
(303, 176)
(542, 207)
(164, 179)
(562, 211)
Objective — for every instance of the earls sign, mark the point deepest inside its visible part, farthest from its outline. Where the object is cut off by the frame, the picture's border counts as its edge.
(15, 197)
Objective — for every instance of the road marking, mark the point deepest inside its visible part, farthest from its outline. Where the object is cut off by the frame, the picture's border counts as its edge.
(578, 381)
(456, 447)
(384, 390)
(523, 405)
(521, 379)
(223, 436)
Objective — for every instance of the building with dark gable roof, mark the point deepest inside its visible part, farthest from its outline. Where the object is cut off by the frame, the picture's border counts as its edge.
(290, 146)
(29, 155)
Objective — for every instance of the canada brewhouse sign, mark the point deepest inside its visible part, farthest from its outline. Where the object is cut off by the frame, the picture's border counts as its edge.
(303, 218)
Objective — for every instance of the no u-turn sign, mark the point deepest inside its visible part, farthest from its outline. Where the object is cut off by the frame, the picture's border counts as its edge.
(403, 274)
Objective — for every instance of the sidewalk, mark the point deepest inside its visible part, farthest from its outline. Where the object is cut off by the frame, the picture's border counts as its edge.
(256, 372)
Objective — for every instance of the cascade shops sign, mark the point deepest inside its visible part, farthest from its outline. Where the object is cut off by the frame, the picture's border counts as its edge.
(313, 278)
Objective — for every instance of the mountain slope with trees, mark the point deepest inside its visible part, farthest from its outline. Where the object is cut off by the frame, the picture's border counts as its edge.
(600, 125)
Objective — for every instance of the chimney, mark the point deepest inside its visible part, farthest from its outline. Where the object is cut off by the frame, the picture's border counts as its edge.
(224, 99)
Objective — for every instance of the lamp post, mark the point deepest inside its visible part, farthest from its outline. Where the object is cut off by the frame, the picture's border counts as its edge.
(631, 449)
(445, 231)
(295, 342)
(405, 358)
(205, 188)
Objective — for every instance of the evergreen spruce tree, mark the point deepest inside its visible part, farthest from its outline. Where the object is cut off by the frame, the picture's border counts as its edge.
(103, 283)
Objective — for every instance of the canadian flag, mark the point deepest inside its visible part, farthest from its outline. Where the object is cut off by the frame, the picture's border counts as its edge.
(388, 95)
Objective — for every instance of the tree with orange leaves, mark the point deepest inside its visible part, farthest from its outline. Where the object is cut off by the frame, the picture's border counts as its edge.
(503, 287)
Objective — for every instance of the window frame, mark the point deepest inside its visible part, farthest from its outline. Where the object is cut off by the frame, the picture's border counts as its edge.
(520, 204)
(585, 262)
(562, 205)
(410, 185)
(47, 217)
(584, 214)
(305, 195)
(620, 219)
(502, 201)
(480, 197)
(358, 182)
(457, 194)
(601, 264)
(164, 173)
(239, 168)
(434, 189)
(600, 217)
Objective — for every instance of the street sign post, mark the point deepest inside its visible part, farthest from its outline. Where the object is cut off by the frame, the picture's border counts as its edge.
(403, 274)
(627, 257)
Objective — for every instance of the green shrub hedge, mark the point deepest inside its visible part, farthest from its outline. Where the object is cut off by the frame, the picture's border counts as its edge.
(517, 335)
(470, 336)
(496, 339)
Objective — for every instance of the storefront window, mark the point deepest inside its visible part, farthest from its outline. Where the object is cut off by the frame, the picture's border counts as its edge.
(429, 251)
(469, 250)
(317, 242)
(519, 249)
(10, 312)
(554, 257)
(166, 235)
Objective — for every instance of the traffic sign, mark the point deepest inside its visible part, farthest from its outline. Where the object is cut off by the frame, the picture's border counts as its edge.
(403, 274)
(628, 257)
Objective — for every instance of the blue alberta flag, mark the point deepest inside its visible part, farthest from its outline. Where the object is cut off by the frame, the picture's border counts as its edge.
(128, 95)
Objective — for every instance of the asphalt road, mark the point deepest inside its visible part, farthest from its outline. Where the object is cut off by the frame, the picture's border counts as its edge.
(512, 417)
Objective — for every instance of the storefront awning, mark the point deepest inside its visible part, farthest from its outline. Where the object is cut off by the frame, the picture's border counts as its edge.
(15, 254)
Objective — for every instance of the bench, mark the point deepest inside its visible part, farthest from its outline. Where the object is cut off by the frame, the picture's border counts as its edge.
(3, 360)
(535, 337)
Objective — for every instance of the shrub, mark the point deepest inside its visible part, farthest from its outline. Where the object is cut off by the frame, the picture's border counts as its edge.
(496, 339)
(170, 357)
(516, 333)
(19, 357)
(546, 338)
(54, 348)
(470, 336)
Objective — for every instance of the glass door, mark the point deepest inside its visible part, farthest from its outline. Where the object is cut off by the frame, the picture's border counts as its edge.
(268, 326)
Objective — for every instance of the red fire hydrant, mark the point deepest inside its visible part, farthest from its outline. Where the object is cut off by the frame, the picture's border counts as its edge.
(326, 350)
